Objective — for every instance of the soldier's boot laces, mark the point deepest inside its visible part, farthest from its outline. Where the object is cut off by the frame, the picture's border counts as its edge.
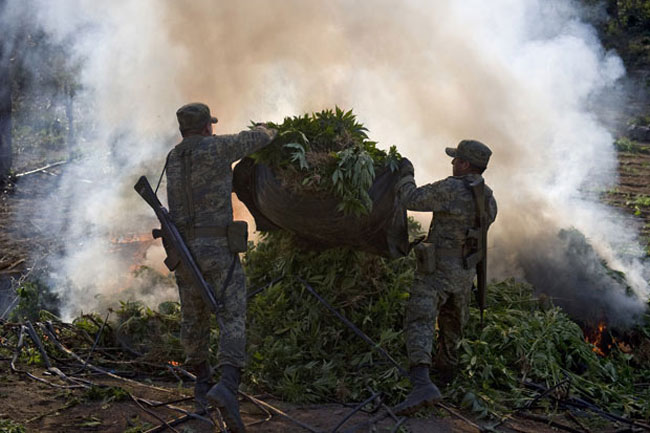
(424, 392)
(203, 384)
(224, 396)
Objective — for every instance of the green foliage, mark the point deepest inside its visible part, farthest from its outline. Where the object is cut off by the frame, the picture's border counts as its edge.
(302, 352)
(299, 155)
(524, 339)
(626, 28)
(641, 120)
(642, 200)
(106, 394)
(352, 178)
(155, 334)
(639, 202)
(9, 426)
(32, 298)
(624, 144)
(328, 152)
(136, 425)
(633, 15)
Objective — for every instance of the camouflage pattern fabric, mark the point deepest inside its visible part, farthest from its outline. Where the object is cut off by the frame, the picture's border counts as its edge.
(199, 188)
(445, 294)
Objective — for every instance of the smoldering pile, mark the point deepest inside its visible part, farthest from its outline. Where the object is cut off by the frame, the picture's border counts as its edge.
(568, 269)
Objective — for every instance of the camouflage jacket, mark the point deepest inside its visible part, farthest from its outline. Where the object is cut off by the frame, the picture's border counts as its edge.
(453, 207)
(199, 177)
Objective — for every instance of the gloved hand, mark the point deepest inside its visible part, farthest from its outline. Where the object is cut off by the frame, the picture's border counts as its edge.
(264, 127)
(406, 168)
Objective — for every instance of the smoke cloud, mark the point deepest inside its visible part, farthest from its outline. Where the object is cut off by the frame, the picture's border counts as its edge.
(523, 76)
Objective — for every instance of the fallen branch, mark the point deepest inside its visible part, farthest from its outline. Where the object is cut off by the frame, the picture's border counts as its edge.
(36, 170)
(7, 267)
(279, 412)
(356, 409)
(461, 417)
(14, 358)
(577, 421)
(548, 421)
(64, 349)
(152, 413)
(68, 405)
(368, 423)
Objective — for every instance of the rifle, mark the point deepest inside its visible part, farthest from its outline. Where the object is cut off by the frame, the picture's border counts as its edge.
(479, 233)
(177, 251)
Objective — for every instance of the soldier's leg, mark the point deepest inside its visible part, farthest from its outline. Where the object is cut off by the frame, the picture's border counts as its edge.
(195, 322)
(419, 323)
(453, 317)
(195, 337)
(420, 319)
(232, 342)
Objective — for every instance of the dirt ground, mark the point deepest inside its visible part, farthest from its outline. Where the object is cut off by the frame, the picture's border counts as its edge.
(42, 408)
(633, 190)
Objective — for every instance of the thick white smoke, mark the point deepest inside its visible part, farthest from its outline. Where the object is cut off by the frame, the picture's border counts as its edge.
(519, 75)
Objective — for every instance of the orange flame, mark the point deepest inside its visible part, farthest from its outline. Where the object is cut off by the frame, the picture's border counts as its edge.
(138, 237)
(174, 363)
(595, 338)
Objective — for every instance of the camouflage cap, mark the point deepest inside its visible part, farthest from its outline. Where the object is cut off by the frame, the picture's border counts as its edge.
(194, 116)
(472, 151)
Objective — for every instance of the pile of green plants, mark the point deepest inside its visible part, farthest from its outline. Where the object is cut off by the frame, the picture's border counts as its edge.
(327, 153)
(302, 353)
(525, 339)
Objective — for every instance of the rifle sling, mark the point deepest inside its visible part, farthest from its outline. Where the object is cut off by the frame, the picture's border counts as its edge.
(188, 199)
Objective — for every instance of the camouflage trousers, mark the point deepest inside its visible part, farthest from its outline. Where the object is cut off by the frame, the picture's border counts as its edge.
(443, 295)
(214, 259)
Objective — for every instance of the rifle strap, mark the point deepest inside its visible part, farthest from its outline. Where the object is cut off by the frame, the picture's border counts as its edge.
(188, 199)
(162, 173)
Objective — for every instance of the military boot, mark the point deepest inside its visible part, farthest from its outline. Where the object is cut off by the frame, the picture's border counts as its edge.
(204, 382)
(424, 392)
(224, 396)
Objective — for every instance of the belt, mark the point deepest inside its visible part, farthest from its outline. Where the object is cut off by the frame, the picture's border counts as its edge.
(207, 231)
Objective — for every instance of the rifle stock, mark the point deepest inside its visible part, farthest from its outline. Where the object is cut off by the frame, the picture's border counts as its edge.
(175, 245)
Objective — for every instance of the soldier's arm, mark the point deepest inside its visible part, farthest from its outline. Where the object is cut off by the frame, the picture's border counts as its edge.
(427, 198)
(492, 210)
(237, 146)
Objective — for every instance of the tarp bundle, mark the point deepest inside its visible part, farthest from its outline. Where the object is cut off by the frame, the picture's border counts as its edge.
(316, 221)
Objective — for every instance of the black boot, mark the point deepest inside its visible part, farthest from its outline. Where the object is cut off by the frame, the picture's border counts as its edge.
(424, 392)
(203, 384)
(224, 396)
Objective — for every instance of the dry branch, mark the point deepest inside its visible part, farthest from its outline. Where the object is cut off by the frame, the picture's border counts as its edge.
(54, 164)
(64, 349)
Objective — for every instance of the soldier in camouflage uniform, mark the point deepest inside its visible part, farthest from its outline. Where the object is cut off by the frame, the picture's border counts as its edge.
(443, 281)
(199, 187)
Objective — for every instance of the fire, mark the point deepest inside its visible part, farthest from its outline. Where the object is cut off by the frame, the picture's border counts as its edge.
(174, 363)
(596, 339)
(133, 238)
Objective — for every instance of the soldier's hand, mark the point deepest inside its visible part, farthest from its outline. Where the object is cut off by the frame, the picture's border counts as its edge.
(406, 168)
(264, 127)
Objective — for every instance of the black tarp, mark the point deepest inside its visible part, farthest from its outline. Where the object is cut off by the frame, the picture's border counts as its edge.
(316, 221)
